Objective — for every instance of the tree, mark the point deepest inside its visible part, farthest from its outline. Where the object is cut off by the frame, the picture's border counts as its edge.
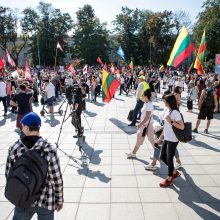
(9, 38)
(181, 18)
(209, 20)
(90, 36)
(46, 26)
(127, 28)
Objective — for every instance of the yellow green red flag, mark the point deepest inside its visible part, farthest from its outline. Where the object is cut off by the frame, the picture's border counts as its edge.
(182, 49)
(109, 86)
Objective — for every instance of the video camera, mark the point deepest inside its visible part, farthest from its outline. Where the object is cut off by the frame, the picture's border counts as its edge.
(72, 92)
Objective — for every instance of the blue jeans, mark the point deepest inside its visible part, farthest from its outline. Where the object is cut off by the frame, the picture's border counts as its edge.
(27, 214)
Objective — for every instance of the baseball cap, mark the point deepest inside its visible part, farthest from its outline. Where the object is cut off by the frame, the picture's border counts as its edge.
(142, 77)
(31, 119)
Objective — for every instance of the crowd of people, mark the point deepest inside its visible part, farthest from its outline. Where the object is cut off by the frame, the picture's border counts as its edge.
(18, 96)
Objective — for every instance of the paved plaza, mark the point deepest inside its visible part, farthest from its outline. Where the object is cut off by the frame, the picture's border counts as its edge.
(112, 187)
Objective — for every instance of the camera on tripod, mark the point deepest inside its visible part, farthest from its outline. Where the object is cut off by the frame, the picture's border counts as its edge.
(72, 92)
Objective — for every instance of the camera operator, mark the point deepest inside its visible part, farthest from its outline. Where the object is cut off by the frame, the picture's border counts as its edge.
(74, 97)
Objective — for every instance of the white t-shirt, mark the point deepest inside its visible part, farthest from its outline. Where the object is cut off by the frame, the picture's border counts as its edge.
(147, 107)
(168, 130)
(179, 83)
(2, 89)
(50, 90)
(170, 82)
(68, 81)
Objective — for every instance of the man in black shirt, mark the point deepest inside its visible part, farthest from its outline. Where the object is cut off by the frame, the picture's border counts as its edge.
(23, 101)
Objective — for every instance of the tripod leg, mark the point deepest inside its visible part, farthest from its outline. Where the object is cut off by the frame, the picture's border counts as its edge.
(87, 121)
(62, 125)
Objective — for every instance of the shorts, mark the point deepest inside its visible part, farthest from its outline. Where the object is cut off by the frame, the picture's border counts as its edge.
(206, 112)
(50, 101)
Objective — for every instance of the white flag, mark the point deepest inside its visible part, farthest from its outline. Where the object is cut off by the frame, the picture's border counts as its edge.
(59, 46)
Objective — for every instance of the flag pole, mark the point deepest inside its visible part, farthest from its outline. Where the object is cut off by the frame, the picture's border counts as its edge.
(55, 60)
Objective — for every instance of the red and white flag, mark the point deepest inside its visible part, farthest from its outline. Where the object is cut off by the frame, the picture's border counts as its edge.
(26, 67)
(59, 46)
(10, 60)
(112, 69)
(71, 69)
(217, 59)
(85, 69)
(2, 63)
(99, 60)
(77, 61)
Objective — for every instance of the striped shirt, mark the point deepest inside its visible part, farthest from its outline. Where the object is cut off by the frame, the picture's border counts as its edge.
(51, 194)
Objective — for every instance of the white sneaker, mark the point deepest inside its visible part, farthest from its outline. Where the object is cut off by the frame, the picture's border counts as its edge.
(150, 167)
(151, 157)
(178, 165)
(130, 155)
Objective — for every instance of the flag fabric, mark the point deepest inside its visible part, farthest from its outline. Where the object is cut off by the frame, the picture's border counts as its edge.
(199, 63)
(131, 66)
(161, 68)
(99, 60)
(105, 67)
(2, 63)
(77, 61)
(10, 60)
(190, 68)
(120, 52)
(109, 86)
(217, 59)
(59, 46)
(182, 49)
(112, 69)
(85, 69)
(71, 69)
(26, 67)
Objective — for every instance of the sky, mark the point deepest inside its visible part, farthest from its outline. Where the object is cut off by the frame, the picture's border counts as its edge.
(106, 10)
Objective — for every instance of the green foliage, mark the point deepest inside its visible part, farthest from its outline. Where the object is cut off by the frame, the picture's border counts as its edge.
(144, 35)
(9, 38)
(46, 26)
(90, 37)
(209, 20)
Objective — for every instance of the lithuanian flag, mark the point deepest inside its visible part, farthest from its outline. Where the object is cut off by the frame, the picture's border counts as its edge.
(183, 47)
(109, 86)
(199, 63)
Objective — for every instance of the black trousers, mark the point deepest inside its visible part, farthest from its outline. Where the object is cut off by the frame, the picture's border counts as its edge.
(4, 101)
(167, 154)
(137, 110)
(170, 88)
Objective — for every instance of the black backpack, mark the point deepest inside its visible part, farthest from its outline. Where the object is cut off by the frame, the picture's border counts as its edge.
(26, 179)
(208, 101)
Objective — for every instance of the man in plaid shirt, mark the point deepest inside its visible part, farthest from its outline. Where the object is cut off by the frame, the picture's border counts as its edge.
(51, 196)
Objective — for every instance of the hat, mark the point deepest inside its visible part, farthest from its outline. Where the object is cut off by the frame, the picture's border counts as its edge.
(31, 119)
(142, 77)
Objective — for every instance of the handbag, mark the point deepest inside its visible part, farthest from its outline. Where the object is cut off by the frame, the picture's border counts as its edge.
(184, 135)
(145, 129)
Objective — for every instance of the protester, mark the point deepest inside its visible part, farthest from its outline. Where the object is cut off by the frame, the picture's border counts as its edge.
(157, 148)
(22, 100)
(51, 195)
(207, 105)
(142, 86)
(3, 95)
(51, 97)
(145, 127)
(171, 118)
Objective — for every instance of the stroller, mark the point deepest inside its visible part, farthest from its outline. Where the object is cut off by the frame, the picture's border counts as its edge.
(43, 101)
